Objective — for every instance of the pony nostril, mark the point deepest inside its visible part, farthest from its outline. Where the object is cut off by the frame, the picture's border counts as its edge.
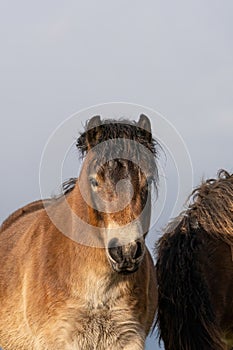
(127, 254)
(116, 254)
(115, 251)
(139, 251)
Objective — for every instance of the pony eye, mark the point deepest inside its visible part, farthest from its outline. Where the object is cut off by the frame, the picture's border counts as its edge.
(94, 182)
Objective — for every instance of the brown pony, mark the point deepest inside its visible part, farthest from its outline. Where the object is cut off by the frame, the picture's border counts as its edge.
(195, 272)
(57, 293)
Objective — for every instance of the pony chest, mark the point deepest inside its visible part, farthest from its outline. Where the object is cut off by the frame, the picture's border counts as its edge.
(107, 316)
(106, 328)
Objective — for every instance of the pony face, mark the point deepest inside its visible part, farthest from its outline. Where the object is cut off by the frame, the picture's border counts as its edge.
(120, 193)
(118, 172)
(119, 185)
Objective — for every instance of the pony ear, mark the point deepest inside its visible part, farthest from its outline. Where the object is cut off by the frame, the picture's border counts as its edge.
(87, 140)
(94, 122)
(92, 131)
(144, 123)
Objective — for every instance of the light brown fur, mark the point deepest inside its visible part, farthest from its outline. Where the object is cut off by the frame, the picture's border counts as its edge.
(52, 295)
(56, 294)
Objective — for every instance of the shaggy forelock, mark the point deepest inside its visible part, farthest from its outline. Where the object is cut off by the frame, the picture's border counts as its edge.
(114, 129)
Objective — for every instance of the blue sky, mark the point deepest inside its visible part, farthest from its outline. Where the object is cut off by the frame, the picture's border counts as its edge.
(59, 57)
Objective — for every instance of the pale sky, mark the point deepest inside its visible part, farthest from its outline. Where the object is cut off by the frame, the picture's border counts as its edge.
(59, 57)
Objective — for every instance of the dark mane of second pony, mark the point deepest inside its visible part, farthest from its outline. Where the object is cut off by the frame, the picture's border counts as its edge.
(210, 208)
(186, 319)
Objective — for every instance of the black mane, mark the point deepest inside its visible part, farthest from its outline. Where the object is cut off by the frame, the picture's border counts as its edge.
(210, 209)
(114, 129)
(111, 129)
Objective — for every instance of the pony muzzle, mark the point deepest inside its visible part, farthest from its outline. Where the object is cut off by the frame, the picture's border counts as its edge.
(125, 259)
